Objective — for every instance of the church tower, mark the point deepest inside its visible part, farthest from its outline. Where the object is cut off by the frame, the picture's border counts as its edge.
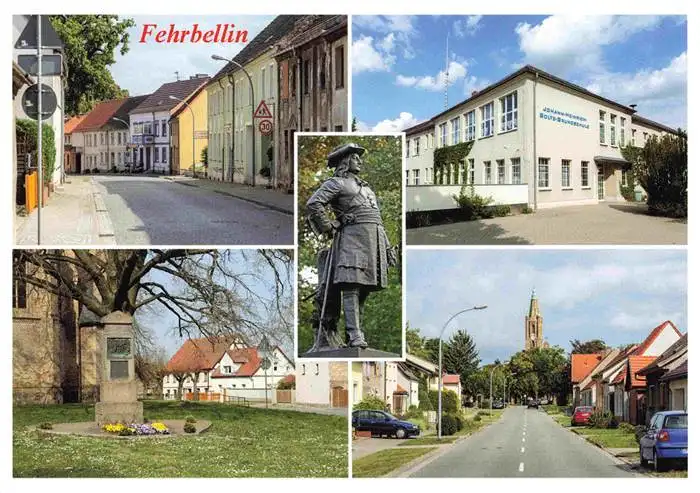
(533, 325)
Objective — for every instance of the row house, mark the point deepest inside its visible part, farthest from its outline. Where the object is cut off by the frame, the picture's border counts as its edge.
(149, 122)
(536, 139)
(392, 382)
(322, 384)
(71, 142)
(188, 132)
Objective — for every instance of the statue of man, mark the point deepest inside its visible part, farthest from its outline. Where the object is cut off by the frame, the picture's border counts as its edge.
(360, 253)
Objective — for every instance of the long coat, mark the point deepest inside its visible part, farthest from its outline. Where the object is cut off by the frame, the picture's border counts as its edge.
(361, 244)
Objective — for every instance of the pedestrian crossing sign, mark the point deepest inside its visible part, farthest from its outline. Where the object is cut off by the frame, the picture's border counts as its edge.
(262, 110)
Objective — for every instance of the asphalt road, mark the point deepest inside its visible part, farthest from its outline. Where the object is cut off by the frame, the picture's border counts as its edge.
(152, 211)
(523, 443)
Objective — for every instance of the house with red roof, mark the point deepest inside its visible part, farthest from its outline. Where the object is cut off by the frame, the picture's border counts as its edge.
(225, 366)
(452, 382)
(586, 391)
(70, 143)
(581, 366)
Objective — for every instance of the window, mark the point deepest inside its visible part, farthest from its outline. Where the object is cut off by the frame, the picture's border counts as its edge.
(509, 112)
(613, 139)
(543, 172)
(119, 158)
(624, 178)
(408, 150)
(428, 175)
(456, 130)
(119, 138)
(634, 132)
(339, 67)
(416, 177)
(416, 146)
(157, 129)
(293, 81)
(111, 135)
(318, 369)
(501, 170)
(487, 172)
(227, 369)
(460, 176)
(307, 75)
(147, 128)
(165, 128)
(487, 120)
(645, 137)
(111, 160)
(566, 173)
(601, 125)
(472, 172)
(515, 172)
(584, 174)
(155, 155)
(303, 369)
(164, 154)
(263, 80)
(338, 128)
(322, 72)
(443, 134)
(102, 138)
(407, 178)
(622, 132)
(470, 126)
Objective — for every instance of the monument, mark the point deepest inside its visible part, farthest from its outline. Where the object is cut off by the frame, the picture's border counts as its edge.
(119, 387)
(357, 261)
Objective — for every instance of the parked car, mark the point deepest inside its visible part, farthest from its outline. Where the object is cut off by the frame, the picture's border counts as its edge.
(498, 404)
(382, 423)
(581, 415)
(665, 440)
(533, 403)
(544, 401)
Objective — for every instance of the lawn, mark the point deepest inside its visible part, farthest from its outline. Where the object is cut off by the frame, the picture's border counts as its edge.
(242, 442)
(430, 440)
(562, 419)
(383, 462)
(608, 438)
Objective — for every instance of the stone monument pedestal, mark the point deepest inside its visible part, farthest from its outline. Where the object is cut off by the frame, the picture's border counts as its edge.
(119, 388)
(350, 352)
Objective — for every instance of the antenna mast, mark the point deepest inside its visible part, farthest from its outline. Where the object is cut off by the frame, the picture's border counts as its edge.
(447, 67)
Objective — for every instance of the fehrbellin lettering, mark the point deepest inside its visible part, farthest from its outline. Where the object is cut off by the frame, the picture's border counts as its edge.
(221, 33)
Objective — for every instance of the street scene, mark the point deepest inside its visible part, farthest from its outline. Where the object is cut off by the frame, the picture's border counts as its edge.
(586, 376)
(510, 121)
(216, 111)
(202, 343)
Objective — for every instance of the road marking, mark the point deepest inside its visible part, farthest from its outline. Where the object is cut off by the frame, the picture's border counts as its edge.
(523, 439)
(523, 433)
(522, 467)
(522, 450)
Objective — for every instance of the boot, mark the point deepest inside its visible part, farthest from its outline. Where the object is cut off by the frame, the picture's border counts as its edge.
(351, 307)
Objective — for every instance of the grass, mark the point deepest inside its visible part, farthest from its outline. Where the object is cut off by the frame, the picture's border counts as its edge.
(431, 440)
(563, 420)
(606, 437)
(383, 462)
(242, 442)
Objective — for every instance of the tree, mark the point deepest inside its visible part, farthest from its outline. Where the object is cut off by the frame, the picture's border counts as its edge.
(150, 369)
(353, 126)
(28, 128)
(209, 292)
(205, 156)
(180, 376)
(460, 356)
(587, 347)
(432, 348)
(89, 45)
(415, 343)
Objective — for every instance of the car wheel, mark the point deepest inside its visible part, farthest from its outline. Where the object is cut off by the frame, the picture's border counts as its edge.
(400, 433)
(656, 461)
(642, 461)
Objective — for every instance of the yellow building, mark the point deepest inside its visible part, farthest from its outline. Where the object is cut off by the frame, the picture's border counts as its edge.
(182, 136)
(356, 382)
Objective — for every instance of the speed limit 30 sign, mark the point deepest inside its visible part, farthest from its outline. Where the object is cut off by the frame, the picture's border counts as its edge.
(265, 127)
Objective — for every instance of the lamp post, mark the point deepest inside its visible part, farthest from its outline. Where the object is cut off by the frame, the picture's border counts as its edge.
(252, 105)
(194, 168)
(265, 351)
(491, 389)
(128, 128)
(439, 420)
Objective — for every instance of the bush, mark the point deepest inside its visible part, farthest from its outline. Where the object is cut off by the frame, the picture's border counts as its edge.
(189, 428)
(95, 170)
(482, 413)
(265, 171)
(477, 418)
(614, 422)
(28, 129)
(527, 210)
(626, 427)
(113, 169)
(370, 403)
(450, 401)
(600, 419)
(86, 171)
(500, 210)
(449, 424)
(414, 412)
(190, 419)
(46, 426)
(485, 404)
(459, 421)
(282, 385)
(639, 432)
(473, 205)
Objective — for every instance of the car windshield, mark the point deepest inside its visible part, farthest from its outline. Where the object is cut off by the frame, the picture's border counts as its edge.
(584, 409)
(676, 421)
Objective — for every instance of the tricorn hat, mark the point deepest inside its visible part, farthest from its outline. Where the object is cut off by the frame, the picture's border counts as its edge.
(343, 150)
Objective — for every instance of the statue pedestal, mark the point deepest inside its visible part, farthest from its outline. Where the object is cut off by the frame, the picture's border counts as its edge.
(351, 352)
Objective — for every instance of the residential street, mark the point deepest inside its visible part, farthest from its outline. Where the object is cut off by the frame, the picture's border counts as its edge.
(524, 443)
(151, 210)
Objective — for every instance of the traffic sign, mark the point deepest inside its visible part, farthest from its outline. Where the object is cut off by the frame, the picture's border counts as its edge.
(262, 111)
(50, 64)
(265, 127)
(265, 364)
(49, 37)
(30, 102)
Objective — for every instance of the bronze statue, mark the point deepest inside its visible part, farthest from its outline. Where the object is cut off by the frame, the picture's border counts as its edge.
(359, 256)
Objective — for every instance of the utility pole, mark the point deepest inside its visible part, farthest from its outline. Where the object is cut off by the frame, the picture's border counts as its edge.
(447, 68)
(39, 157)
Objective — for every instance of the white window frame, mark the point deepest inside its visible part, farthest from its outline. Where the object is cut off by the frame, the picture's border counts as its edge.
(488, 172)
(416, 146)
(460, 176)
(543, 173)
(470, 126)
(509, 115)
(443, 134)
(601, 127)
(585, 174)
(501, 177)
(408, 177)
(486, 123)
(566, 173)
(516, 178)
(456, 129)
(613, 136)
(416, 176)
(623, 121)
(471, 174)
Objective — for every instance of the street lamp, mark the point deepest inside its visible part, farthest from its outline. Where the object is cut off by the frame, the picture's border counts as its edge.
(194, 168)
(265, 351)
(491, 389)
(252, 105)
(439, 420)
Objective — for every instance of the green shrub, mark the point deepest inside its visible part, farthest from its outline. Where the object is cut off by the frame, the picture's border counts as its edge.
(626, 427)
(527, 210)
(449, 424)
(113, 169)
(282, 385)
(485, 404)
(450, 401)
(459, 421)
(600, 419)
(500, 210)
(87, 171)
(477, 418)
(482, 413)
(46, 426)
(473, 205)
(639, 432)
(614, 422)
(265, 171)
(370, 403)
(189, 428)
(28, 129)
(190, 419)
(95, 170)
(414, 412)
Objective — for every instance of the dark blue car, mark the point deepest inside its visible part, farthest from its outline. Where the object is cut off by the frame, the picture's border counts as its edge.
(665, 440)
(382, 423)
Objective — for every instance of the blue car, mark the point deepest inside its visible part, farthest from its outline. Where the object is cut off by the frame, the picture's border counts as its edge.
(665, 440)
(382, 423)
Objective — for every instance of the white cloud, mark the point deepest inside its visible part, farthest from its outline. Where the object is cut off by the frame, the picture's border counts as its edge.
(405, 120)
(473, 83)
(639, 318)
(457, 71)
(368, 56)
(567, 43)
(467, 26)
(401, 28)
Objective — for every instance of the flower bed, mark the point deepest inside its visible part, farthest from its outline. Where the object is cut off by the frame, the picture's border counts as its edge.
(122, 429)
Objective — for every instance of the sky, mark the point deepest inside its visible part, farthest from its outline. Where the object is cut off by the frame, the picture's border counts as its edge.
(399, 61)
(146, 66)
(618, 296)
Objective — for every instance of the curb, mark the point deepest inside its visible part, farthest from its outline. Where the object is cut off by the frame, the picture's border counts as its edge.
(230, 194)
(105, 229)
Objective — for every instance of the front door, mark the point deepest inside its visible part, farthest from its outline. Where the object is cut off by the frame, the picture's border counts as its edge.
(148, 158)
(601, 182)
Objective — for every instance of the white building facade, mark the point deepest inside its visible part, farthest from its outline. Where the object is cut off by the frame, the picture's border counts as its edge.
(536, 140)
(150, 137)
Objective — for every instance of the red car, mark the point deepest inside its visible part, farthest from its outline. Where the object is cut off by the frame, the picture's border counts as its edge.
(581, 415)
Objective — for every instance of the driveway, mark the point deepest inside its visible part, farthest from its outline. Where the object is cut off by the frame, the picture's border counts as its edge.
(366, 446)
(602, 224)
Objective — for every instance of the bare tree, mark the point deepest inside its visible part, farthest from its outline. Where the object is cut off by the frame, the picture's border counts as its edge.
(180, 376)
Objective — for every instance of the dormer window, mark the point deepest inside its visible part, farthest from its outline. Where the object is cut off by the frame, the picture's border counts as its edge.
(227, 369)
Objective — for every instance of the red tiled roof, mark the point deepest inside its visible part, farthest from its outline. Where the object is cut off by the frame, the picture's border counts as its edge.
(72, 122)
(291, 378)
(679, 372)
(620, 378)
(583, 364)
(160, 100)
(248, 358)
(665, 357)
(450, 379)
(634, 364)
(198, 354)
(653, 335)
(400, 390)
(100, 115)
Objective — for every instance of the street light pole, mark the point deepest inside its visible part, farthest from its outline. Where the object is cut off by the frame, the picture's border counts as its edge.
(194, 168)
(252, 105)
(439, 417)
(491, 390)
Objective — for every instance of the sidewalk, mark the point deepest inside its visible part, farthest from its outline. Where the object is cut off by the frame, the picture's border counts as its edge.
(68, 218)
(273, 199)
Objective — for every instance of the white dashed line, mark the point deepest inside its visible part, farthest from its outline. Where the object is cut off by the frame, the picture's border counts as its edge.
(522, 450)
(523, 439)
(522, 467)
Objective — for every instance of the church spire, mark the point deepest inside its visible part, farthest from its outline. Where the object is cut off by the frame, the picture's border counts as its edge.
(534, 305)
(533, 324)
